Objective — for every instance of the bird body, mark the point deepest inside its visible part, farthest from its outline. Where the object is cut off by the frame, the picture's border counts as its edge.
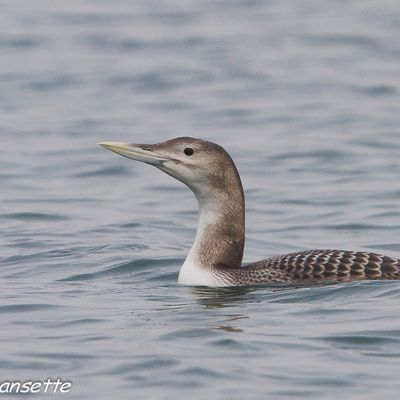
(215, 258)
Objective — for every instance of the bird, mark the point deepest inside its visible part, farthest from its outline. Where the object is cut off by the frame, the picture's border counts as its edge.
(215, 258)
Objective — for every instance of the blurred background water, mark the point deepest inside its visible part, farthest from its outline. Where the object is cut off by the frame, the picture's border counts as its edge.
(305, 95)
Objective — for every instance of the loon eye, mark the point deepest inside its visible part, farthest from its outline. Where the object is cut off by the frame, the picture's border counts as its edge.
(188, 151)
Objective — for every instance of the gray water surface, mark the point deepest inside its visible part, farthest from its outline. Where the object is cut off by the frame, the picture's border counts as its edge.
(305, 95)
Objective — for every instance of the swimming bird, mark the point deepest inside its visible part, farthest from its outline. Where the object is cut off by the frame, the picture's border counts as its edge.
(215, 258)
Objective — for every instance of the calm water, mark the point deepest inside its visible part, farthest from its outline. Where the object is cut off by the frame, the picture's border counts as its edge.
(304, 95)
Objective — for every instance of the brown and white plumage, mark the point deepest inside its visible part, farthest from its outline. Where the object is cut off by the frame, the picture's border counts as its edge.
(314, 265)
(216, 255)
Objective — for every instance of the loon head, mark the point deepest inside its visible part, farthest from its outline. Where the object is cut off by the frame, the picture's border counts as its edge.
(205, 167)
(208, 170)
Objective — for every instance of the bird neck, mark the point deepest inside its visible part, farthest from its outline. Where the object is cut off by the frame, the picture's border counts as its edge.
(220, 232)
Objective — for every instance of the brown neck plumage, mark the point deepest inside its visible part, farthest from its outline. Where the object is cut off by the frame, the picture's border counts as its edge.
(221, 230)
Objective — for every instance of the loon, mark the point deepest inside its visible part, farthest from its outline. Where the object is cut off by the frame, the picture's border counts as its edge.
(215, 258)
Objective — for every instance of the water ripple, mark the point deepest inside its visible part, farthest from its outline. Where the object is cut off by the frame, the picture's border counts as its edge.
(34, 216)
(27, 308)
(125, 269)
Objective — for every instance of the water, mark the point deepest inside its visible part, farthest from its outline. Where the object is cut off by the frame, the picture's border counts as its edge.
(304, 95)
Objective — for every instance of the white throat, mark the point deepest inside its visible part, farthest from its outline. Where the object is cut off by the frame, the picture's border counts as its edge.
(192, 271)
(201, 264)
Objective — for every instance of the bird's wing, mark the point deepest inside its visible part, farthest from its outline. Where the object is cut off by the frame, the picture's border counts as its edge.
(342, 264)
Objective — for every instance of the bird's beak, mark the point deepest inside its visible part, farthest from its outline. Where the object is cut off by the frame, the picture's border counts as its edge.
(135, 152)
